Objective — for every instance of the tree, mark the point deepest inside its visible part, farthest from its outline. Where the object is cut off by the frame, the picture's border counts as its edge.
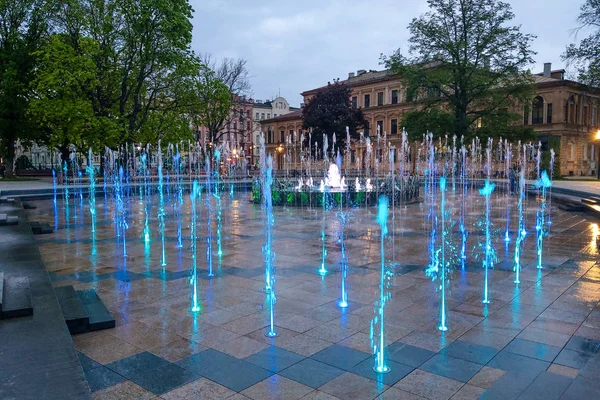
(61, 104)
(232, 72)
(21, 31)
(213, 104)
(586, 55)
(330, 111)
(465, 58)
(141, 62)
(433, 120)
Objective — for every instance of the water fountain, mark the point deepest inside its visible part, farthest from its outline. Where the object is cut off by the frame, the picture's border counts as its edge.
(379, 348)
(343, 217)
(269, 256)
(91, 191)
(489, 253)
(195, 194)
(543, 183)
(161, 208)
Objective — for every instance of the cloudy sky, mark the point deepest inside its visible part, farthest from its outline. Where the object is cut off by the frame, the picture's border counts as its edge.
(292, 46)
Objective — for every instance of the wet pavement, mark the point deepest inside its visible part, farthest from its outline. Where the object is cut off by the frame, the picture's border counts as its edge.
(535, 340)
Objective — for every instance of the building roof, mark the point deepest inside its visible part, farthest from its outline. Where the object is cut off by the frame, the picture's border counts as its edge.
(285, 117)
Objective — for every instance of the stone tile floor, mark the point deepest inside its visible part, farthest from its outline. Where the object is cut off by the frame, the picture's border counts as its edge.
(535, 340)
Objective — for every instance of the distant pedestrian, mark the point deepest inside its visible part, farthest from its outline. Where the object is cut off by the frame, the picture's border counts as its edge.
(512, 177)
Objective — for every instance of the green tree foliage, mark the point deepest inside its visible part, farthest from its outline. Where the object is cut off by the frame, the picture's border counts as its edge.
(61, 104)
(22, 27)
(433, 120)
(330, 111)
(586, 55)
(213, 105)
(116, 72)
(464, 57)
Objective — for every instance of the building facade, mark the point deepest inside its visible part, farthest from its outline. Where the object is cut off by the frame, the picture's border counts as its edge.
(561, 108)
(266, 110)
(237, 130)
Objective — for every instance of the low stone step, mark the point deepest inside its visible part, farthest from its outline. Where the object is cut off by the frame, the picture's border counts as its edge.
(99, 316)
(39, 228)
(589, 200)
(74, 312)
(8, 220)
(16, 298)
(28, 206)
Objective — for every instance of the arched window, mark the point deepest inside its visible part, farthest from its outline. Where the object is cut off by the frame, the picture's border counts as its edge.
(537, 108)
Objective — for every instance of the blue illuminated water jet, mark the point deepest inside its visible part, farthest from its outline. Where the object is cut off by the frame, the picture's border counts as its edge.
(488, 260)
(92, 190)
(54, 185)
(379, 348)
(194, 195)
(542, 183)
(521, 228)
(179, 201)
(323, 270)
(121, 211)
(65, 176)
(161, 207)
(343, 218)
(266, 182)
(209, 257)
(439, 270)
(145, 190)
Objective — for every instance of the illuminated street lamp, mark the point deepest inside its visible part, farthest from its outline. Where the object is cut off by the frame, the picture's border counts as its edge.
(280, 148)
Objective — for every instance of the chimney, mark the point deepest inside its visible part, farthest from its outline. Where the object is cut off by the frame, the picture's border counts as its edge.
(350, 75)
(547, 69)
(360, 72)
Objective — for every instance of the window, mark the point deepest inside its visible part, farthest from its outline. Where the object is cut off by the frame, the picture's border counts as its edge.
(584, 121)
(247, 125)
(479, 122)
(262, 116)
(235, 126)
(268, 115)
(394, 97)
(274, 115)
(572, 152)
(257, 116)
(593, 116)
(526, 115)
(282, 138)
(269, 136)
(354, 102)
(380, 98)
(367, 102)
(394, 126)
(549, 113)
(292, 135)
(366, 128)
(537, 114)
(380, 127)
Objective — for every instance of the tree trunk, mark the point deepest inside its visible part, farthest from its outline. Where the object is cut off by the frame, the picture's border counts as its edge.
(10, 160)
(64, 156)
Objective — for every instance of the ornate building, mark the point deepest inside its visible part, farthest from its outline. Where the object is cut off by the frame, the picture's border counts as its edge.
(561, 108)
(264, 110)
